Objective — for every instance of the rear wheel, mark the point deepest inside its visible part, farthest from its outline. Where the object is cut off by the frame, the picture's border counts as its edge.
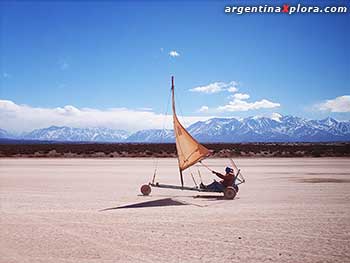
(146, 189)
(229, 193)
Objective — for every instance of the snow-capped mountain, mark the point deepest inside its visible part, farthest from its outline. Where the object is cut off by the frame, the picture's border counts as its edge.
(252, 129)
(55, 133)
(4, 134)
(262, 129)
(257, 129)
(153, 135)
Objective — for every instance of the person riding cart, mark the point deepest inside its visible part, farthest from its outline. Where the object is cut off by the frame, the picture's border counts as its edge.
(227, 180)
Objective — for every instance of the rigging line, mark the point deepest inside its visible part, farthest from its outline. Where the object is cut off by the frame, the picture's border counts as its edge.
(162, 134)
(164, 119)
(182, 115)
(191, 171)
(206, 166)
(195, 183)
(180, 109)
(200, 176)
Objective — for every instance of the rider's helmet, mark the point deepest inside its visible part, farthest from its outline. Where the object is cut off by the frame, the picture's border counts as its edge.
(228, 170)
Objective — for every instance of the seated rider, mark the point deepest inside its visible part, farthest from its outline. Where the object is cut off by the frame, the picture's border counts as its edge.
(227, 180)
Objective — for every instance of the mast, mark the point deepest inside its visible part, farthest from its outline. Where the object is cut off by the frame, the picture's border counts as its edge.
(174, 118)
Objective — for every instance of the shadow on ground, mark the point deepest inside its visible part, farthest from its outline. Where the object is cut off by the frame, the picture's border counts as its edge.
(209, 197)
(154, 203)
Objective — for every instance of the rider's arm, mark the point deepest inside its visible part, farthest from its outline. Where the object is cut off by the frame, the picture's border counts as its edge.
(219, 175)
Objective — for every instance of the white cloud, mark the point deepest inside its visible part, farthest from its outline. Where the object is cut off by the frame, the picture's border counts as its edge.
(203, 109)
(339, 104)
(242, 105)
(174, 53)
(232, 89)
(241, 96)
(238, 100)
(239, 103)
(145, 109)
(216, 87)
(19, 118)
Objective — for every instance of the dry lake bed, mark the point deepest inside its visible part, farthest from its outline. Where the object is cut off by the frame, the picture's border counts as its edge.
(289, 210)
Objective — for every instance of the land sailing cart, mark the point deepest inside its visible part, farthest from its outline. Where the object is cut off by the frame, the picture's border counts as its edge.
(189, 153)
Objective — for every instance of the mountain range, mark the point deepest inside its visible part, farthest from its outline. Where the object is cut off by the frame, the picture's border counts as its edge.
(224, 130)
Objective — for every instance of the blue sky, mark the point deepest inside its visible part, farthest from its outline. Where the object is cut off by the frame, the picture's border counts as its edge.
(103, 55)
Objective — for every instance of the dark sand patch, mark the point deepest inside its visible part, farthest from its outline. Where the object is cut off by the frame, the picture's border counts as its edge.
(323, 180)
(348, 174)
(318, 173)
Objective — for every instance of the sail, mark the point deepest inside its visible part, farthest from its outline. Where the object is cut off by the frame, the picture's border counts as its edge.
(189, 151)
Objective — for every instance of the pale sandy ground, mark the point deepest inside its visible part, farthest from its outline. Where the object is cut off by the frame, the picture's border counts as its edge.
(50, 213)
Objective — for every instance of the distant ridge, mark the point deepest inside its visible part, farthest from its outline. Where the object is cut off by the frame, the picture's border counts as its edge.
(225, 130)
(56, 133)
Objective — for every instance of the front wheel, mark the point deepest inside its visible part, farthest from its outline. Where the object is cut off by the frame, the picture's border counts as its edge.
(146, 189)
(229, 193)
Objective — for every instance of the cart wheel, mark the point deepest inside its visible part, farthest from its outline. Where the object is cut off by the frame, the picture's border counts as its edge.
(229, 193)
(146, 189)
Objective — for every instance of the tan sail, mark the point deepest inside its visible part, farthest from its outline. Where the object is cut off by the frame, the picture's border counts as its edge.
(189, 151)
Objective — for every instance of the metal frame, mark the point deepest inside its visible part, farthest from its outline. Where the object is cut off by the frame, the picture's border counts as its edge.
(178, 187)
(241, 180)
